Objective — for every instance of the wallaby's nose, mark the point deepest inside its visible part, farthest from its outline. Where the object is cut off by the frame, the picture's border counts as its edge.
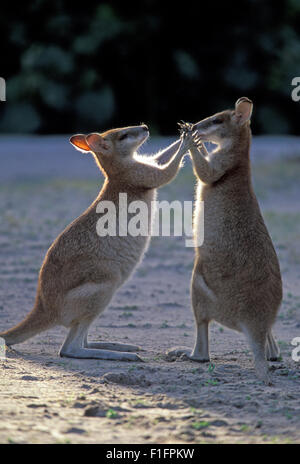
(144, 127)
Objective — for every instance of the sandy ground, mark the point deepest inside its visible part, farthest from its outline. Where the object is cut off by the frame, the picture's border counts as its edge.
(46, 399)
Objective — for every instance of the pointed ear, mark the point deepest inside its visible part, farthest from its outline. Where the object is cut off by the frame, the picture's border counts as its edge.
(79, 142)
(243, 110)
(96, 143)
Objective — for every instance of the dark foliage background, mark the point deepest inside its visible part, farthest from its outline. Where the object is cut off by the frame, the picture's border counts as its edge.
(96, 64)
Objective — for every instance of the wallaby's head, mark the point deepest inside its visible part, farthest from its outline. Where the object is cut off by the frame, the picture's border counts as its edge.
(227, 124)
(113, 144)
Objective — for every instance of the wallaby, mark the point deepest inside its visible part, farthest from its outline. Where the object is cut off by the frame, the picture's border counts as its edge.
(236, 277)
(82, 271)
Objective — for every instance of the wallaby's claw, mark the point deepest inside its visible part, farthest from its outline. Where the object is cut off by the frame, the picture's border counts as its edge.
(186, 135)
(185, 127)
(196, 140)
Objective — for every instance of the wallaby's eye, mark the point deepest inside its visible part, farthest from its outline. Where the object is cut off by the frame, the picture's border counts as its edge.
(217, 121)
(123, 137)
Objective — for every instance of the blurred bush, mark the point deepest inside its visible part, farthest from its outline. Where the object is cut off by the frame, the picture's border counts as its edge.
(83, 67)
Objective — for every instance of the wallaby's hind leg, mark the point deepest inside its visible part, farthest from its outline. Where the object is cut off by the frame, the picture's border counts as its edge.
(273, 351)
(73, 347)
(200, 352)
(110, 346)
(201, 300)
(258, 341)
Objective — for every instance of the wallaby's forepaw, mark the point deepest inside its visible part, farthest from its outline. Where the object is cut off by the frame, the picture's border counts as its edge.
(187, 141)
(190, 138)
(196, 140)
(185, 127)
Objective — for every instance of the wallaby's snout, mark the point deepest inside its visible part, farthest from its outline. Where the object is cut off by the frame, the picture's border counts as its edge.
(140, 131)
(129, 138)
(203, 127)
(137, 135)
(143, 129)
(214, 128)
(132, 131)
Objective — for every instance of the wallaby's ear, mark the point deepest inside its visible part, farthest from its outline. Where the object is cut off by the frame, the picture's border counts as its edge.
(79, 142)
(96, 143)
(243, 110)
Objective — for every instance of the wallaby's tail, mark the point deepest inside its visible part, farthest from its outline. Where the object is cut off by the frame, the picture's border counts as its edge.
(36, 321)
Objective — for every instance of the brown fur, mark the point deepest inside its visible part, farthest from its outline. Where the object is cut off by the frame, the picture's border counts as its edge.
(81, 270)
(236, 278)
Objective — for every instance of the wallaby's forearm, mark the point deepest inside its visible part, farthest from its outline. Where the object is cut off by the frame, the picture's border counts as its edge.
(202, 149)
(209, 171)
(166, 173)
(165, 155)
(154, 176)
(201, 166)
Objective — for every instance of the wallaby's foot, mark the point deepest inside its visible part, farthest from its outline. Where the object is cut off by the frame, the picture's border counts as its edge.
(261, 366)
(112, 346)
(272, 351)
(183, 353)
(88, 353)
(198, 358)
(200, 352)
(258, 343)
(264, 376)
(74, 347)
(177, 352)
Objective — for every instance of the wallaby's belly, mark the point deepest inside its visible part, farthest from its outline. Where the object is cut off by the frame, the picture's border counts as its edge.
(127, 249)
(125, 253)
(237, 259)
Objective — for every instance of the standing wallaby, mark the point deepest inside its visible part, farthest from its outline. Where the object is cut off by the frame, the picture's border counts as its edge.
(82, 271)
(236, 278)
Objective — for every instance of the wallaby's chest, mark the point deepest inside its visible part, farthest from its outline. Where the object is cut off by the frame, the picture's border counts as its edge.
(124, 228)
(232, 218)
